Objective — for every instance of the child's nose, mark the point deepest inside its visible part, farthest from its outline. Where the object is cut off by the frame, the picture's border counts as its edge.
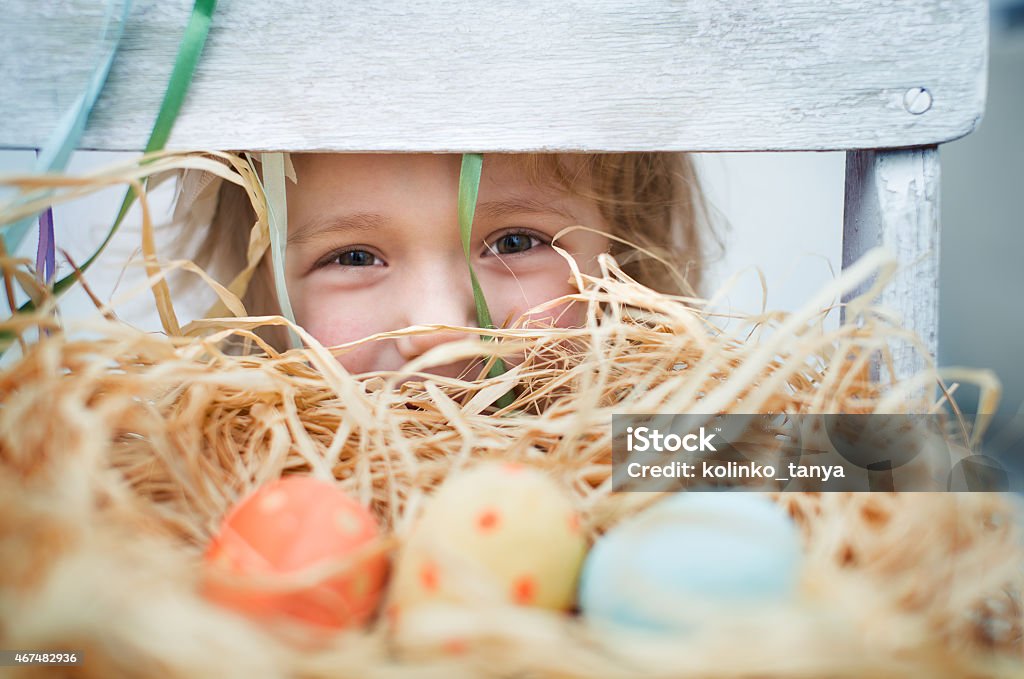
(448, 303)
(413, 346)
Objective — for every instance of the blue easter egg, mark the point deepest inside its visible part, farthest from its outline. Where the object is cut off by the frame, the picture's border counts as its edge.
(689, 552)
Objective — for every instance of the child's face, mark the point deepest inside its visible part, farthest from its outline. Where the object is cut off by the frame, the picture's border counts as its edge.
(374, 246)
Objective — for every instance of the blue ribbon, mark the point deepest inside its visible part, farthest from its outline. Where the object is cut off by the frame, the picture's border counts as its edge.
(54, 155)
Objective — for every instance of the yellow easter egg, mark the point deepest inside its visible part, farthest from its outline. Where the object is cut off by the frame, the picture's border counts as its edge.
(501, 533)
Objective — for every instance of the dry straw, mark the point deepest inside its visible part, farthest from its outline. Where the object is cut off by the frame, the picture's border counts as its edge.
(120, 453)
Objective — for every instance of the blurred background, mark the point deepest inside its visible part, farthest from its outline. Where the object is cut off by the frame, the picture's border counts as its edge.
(780, 213)
(981, 286)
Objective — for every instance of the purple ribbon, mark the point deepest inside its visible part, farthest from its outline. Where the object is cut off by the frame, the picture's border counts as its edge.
(46, 259)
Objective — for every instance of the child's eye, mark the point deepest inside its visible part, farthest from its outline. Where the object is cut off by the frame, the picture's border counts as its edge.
(357, 258)
(513, 243)
(354, 257)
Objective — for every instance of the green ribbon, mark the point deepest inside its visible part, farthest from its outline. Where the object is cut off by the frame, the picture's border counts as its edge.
(181, 76)
(469, 189)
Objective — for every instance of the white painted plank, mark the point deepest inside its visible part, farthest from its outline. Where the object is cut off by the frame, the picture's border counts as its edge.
(892, 199)
(427, 75)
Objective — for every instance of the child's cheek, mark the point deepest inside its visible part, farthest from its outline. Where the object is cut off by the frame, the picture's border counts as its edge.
(331, 331)
(566, 315)
(513, 299)
(364, 359)
(334, 330)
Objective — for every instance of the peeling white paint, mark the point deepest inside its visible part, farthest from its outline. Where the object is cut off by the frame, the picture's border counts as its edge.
(897, 178)
(892, 199)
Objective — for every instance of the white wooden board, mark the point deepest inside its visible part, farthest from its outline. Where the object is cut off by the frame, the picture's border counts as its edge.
(461, 75)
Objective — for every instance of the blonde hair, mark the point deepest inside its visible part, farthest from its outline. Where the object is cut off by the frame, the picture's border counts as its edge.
(651, 200)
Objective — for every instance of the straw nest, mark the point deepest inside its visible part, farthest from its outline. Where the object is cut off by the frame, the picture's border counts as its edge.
(120, 453)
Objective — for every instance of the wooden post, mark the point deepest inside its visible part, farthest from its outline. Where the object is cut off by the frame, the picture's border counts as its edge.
(892, 199)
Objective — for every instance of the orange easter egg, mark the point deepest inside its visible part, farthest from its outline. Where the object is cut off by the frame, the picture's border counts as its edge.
(300, 549)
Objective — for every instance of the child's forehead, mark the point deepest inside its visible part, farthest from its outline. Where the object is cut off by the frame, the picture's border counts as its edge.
(560, 172)
(401, 188)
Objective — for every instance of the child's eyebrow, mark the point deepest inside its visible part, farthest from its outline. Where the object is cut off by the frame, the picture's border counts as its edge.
(502, 208)
(368, 221)
(359, 221)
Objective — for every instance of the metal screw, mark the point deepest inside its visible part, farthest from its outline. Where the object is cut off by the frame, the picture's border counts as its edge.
(917, 100)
